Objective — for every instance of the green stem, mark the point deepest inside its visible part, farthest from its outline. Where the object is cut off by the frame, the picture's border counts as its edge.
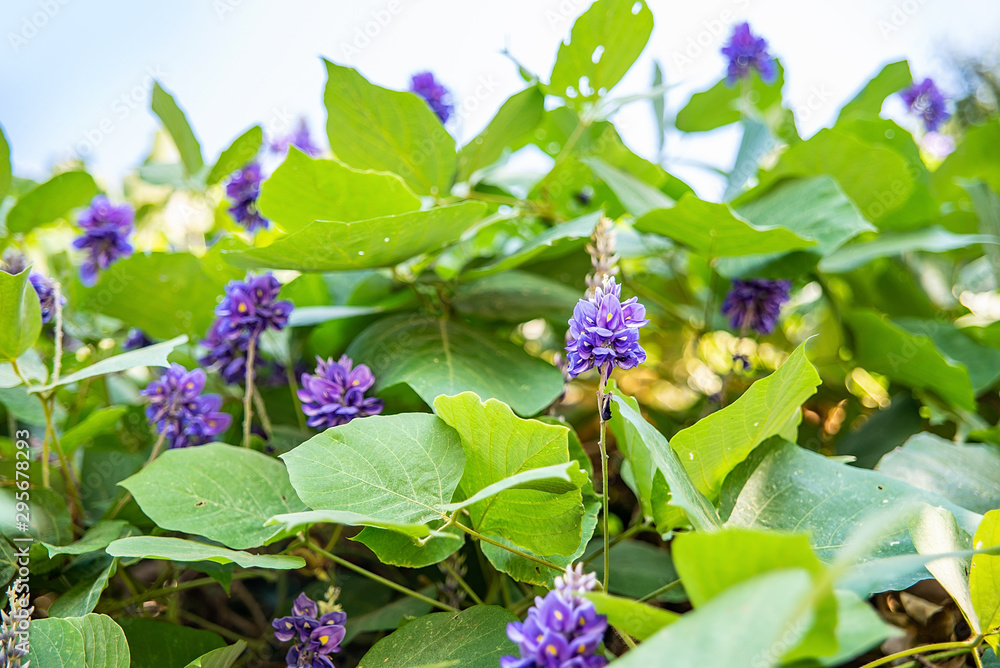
(248, 394)
(265, 419)
(659, 592)
(181, 586)
(381, 580)
(923, 649)
(513, 550)
(63, 461)
(601, 388)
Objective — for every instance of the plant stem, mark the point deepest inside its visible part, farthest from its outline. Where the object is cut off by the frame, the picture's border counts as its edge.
(265, 419)
(662, 590)
(248, 395)
(513, 550)
(381, 580)
(63, 461)
(967, 645)
(601, 388)
(156, 448)
(181, 586)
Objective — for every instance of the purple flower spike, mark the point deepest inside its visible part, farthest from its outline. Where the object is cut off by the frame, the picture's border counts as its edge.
(300, 139)
(136, 339)
(436, 95)
(46, 291)
(335, 395)
(252, 305)
(756, 303)
(106, 228)
(244, 189)
(927, 102)
(604, 332)
(180, 411)
(747, 52)
(313, 639)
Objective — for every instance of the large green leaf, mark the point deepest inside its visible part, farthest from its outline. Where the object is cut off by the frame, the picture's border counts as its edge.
(177, 549)
(91, 641)
(933, 239)
(715, 230)
(370, 127)
(957, 347)
(640, 569)
(510, 129)
(475, 638)
(243, 150)
(723, 104)
(293, 522)
(868, 102)
(223, 657)
(154, 355)
(397, 468)
(935, 531)
(82, 597)
(5, 173)
(437, 357)
(635, 195)
(378, 242)
(397, 549)
(97, 537)
(498, 445)
(160, 644)
(984, 576)
(967, 475)
(101, 421)
(388, 617)
(974, 158)
(859, 628)
(639, 620)
(183, 490)
(516, 296)
(20, 315)
(51, 200)
(910, 359)
(177, 126)
(604, 42)
(303, 190)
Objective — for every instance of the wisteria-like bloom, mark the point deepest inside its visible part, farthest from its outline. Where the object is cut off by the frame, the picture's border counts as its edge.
(106, 228)
(437, 96)
(252, 306)
(244, 189)
(136, 339)
(604, 332)
(46, 291)
(562, 630)
(14, 630)
(315, 636)
(927, 102)
(180, 411)
(300, 139)
(229, 355)
(336, 394)
(747, 52)
(755, 303)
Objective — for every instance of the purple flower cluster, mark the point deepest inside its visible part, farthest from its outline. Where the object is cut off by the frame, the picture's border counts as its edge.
(248, 309)
(747, 52)
(315, 636)
(106, 228)
(136, 339)
(436, 95)
(244, 189)
(755, 303)
(180, 411)
(927, 102)
(562, 630)
(604, 332)
(300, 139)
(336, 394)
(46, 291)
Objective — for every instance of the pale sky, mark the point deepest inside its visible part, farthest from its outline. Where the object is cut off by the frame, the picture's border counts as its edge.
(75, 75)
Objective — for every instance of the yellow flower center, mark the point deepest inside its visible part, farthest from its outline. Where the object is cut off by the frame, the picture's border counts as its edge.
(551, 649)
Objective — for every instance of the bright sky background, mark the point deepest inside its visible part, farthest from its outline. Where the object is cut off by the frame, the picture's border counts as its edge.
(75, 73)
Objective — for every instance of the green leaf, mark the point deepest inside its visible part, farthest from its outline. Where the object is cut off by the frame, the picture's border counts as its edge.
(50, 520)
(177, 126)
(303, 190)
(912, 360)
(441, 357)
(957, 347)
(177, 549)
(51, 201)
(23, 406)
(859, 629)
(241, 152)
(935, 531)
(868, 102)
(476, 638)
(182, 490)
(97, 538)
(159, 644)
(83, 596)
(397, 549)
(639, 620)
(293, 522)
(813, 208)
(984, 576)
(396, 468)
(987, 205)
(715, 230)
(683, 492)
(722, 104)
(932, 239)
(778, 604)
(154, 355)
(388, 617)
(636, 196)
(5, 172)
(605, 41)
(91, 641)
(974, 158)
(224, 657)
(516, 296)
(636, 453)
(378, 242)
(639, 570)
(20, 315)
(314, 315)
(554, 479)
(498, 445)
(101, 421)
(932, 463)
(510, 129)
(370, 127)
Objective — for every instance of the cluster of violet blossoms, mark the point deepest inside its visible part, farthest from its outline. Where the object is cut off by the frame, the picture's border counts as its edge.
(335, 395)
(315, 636)
(747, 52)
(181, 413)
(14, 263)
(927, 102)
(106, 228)
(755, 303)
(243, 189)
(299, 138)
(604, 332)
(562, 630)
(249, 307)
(438, 97)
